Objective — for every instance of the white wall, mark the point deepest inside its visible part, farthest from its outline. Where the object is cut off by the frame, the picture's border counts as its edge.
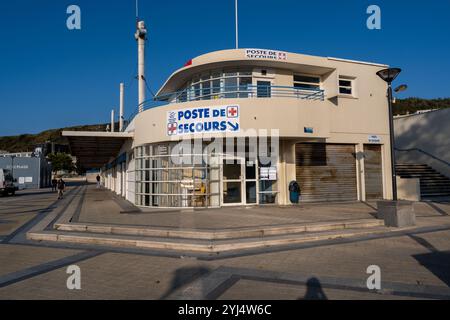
(429, 132)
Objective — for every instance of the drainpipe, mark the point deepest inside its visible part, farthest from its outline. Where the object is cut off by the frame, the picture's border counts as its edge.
(121, 108)
(141, 36)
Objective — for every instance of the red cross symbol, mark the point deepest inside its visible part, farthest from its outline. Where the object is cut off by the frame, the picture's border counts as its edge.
(232, 112)
(172, 128)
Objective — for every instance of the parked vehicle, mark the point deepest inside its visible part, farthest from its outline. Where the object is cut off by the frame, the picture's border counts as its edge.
(7, 182)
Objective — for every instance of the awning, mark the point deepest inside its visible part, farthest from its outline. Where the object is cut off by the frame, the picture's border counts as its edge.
(94, 149)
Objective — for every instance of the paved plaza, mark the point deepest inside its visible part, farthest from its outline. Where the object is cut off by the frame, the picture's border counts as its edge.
(414, 263)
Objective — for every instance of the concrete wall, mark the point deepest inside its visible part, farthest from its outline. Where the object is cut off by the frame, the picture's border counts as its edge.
(408, 189)
(429, 132)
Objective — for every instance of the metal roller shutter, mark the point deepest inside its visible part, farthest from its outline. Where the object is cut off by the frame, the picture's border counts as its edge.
(326, 172)
(372, 172)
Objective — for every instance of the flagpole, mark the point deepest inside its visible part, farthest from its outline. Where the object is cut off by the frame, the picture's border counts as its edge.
(236, 22)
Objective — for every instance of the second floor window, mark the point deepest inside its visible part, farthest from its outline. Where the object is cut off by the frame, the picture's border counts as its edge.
(306, 82)
(346, 85)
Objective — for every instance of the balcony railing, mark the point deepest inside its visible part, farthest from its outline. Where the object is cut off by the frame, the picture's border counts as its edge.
(242, 91)
(231, 92)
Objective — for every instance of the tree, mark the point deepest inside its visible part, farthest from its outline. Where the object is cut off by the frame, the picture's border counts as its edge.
(61, 161)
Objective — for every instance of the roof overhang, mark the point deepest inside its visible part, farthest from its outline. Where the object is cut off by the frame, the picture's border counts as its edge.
(94, 149)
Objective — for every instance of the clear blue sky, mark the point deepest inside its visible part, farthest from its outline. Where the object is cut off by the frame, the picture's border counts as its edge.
(51, 77)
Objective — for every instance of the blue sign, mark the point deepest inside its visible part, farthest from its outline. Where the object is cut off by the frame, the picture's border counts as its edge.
(203, 120)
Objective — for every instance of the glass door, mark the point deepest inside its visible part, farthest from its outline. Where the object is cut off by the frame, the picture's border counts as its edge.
(232, 180)
(251, 193)
(239, 181)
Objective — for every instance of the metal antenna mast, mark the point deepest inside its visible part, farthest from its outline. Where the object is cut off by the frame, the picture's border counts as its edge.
(236, 22)
(137, 10)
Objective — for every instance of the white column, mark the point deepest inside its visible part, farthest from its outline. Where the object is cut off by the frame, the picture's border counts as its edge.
(121, 108)
(141, 35)
(112, 120)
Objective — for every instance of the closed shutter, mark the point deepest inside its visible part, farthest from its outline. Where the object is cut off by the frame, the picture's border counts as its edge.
(326, 172)
(372, 172)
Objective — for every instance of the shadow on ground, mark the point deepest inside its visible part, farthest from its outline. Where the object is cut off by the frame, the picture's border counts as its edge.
(184, 276)
(314, 290)
(438, 263)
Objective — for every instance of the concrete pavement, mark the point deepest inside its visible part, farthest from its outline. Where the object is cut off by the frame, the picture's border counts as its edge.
(413, 265)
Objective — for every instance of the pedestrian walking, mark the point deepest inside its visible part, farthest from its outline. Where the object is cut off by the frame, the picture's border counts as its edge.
(54, 183)
(61, 188)
(98, 181)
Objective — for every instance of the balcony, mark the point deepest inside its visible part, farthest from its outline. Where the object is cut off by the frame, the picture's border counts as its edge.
(243, 91)
(233, 92)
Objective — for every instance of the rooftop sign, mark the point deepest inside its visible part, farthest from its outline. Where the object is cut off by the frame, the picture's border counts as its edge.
(265, 54)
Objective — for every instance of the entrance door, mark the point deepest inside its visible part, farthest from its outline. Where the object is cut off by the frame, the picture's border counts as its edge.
(232, 180)
(373, 176)
(239, 182)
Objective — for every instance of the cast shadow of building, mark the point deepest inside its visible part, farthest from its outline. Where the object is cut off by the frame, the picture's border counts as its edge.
(182, 277)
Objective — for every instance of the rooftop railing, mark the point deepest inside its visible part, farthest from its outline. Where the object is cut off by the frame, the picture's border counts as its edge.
(231, 92)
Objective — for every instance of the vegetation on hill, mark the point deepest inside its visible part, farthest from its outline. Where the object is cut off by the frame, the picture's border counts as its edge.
(411, 105)
(27, 142)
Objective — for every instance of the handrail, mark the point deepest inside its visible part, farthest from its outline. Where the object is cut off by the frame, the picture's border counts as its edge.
(425, 153)
(241, 91)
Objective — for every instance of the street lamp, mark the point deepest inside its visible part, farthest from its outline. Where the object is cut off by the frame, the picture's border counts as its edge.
(389, 75)
(401, 88)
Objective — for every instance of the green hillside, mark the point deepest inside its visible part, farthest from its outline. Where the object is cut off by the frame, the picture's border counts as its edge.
(27, 142)
(411, 105)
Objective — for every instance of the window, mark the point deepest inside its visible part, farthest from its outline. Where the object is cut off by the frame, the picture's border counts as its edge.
(244, 86)
(263, 89)
(306, 82)
(346, 85)
(216, 84)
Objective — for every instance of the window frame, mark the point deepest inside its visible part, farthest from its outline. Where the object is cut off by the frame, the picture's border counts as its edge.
(352, 86)
(318, 84)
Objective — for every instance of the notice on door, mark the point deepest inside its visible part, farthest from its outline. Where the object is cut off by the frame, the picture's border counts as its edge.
(203, 120)
(268, 173)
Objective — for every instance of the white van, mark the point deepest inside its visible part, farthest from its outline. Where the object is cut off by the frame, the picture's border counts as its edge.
(7, 182)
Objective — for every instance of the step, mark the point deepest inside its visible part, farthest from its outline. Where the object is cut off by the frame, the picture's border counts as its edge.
(203, 246)
(434, 187)
(237, 233)
(425, 175)
(436, 194)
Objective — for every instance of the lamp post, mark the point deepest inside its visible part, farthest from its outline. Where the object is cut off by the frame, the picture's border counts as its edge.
(12, 166)
(389, 75)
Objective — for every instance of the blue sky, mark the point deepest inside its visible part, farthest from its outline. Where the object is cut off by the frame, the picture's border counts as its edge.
(51, 77)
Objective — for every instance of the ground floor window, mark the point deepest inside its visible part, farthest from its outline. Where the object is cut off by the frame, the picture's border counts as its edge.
(203, 176)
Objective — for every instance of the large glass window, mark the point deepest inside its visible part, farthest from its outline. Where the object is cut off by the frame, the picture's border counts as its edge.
(162, 183)
(306, 82)
(228, 83)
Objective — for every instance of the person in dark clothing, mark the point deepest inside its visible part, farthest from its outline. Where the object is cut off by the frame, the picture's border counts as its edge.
(54, 183)
(61, 188)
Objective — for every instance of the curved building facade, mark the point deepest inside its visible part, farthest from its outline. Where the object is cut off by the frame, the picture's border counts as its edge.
(235, 127)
